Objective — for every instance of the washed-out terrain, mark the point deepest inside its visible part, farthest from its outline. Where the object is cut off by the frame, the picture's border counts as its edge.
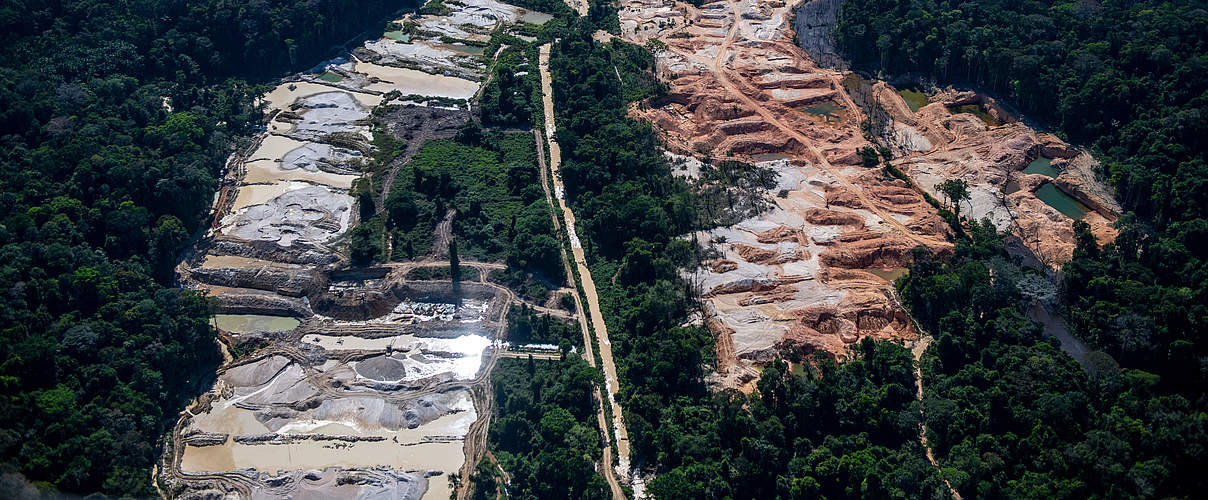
(341, 381)
(815, 270)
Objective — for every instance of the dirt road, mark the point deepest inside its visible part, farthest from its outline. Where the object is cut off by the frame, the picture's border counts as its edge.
(919, 348)
(593, 302)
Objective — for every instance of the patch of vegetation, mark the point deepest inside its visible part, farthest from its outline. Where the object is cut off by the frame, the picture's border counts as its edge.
(544, 430)
(429, 273)
(487, 182)
(1009, 415)
(511, 98)
(435, 8)
(526, 326)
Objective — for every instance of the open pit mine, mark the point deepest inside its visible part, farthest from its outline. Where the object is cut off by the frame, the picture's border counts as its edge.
(341, 382)
(815, 271)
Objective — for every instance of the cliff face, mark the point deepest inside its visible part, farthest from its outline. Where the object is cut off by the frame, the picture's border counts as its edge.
(813, 22)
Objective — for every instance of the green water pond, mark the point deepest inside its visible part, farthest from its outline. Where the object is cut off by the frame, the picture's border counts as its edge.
(1064, 203)
(914, 98)
(249, 323)
(1041, 165)
(976, 110)
(331, 77)
(827, 111)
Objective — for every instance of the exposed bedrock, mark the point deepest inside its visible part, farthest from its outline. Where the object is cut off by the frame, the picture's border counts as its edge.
(289, 282)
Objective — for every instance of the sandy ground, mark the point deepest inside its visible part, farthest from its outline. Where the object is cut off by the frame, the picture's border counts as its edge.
(410, 81)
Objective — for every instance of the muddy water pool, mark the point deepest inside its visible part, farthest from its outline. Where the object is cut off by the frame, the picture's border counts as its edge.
(889, 275)
(250, 323)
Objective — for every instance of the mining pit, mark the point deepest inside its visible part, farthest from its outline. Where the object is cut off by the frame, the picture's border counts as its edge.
(814, 271)
(340, 382)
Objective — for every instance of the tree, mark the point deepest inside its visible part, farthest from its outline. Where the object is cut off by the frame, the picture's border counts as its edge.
(869, 156)
(956, 190)
(365, 245)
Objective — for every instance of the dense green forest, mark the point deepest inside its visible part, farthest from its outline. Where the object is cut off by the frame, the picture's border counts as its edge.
(115, 118)
(1010, 415)
(544, 432)
(1130, 79)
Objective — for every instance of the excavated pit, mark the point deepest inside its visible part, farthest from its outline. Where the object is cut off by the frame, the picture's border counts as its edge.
(341, 382)
(815, 271)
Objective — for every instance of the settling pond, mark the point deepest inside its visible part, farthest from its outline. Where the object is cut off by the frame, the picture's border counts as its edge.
(1042, 166)
(914, 98)
(827, 111)
(251, 323)
(1064, 203)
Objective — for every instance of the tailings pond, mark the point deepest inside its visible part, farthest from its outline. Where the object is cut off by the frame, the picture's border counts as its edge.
(252, 323)
(1064, 203)
(353, 388)
(914, 98)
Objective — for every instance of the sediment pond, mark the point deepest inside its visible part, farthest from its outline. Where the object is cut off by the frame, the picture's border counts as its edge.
(890, 275)
(828, 111)
(251, 323)
(914, 98)
(1064, 203)
(1042, 166)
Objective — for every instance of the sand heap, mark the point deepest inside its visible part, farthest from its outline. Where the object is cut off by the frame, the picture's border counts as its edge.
(813, 270)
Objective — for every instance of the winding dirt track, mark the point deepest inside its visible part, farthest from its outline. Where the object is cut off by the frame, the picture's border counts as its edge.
(593, 302)
(919, 348)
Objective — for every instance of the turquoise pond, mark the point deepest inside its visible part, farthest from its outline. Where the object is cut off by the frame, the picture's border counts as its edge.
(398, 36)
(1041, 165)
(1064, 203)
